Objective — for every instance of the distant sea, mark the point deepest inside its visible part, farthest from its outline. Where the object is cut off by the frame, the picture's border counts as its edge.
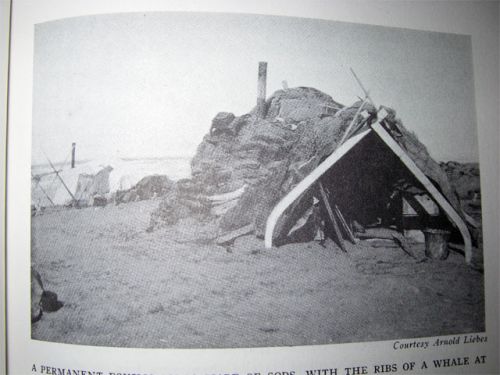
(175, 167)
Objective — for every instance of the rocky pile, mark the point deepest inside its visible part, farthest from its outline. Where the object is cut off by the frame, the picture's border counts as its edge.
(149, 187)
(464, 177)
(246, 164)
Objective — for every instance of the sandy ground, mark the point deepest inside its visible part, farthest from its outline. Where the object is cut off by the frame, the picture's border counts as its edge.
(175, 288)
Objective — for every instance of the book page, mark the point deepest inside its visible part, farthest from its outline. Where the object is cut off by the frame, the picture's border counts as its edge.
(225, 188)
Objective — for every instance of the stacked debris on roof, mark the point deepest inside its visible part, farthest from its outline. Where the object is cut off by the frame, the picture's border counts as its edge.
(246, 164)
(464, 177)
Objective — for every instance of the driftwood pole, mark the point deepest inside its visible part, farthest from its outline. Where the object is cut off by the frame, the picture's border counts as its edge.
(37, 179)
(62, 181)
(348, 129)
(367, 95)
(344, 225)
(73, 149)
(261, 89)
(335, 226)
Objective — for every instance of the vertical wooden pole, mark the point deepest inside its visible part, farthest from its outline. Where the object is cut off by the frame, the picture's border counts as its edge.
(261, 89)
(344, 225)
(335, 226)
(73, 150)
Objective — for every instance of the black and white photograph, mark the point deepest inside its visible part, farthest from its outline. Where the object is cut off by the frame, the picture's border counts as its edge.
(216, 180)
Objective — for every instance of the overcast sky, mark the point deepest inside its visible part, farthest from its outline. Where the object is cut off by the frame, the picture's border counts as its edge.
(148, 85)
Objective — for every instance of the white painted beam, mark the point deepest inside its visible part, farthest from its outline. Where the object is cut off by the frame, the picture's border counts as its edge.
(429, 186)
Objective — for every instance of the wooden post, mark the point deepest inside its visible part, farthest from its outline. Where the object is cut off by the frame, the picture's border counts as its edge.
(348, 129)
(73, 149)
(261, 89)
(335, 226)
(344, 225)
(367, 95)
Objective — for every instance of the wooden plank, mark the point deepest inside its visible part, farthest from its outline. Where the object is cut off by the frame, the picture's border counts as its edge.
(348, 130)
(389, 234)
(222, 208)
(471, 221)
(367, 94)
(346, 228)
(403, 243)
(303, 185)
(382, 233)
(415, 205)
(73, 157)
(339, 240)
(457, 247)
(231, 236)
(222, 198)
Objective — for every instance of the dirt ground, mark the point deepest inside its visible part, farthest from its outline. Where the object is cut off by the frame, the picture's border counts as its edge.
(174, 288)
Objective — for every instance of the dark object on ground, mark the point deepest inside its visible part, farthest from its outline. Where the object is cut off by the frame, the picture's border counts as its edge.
(41, 299)
(230, 237)
(99, 201)
(436, 243)
(49, 301)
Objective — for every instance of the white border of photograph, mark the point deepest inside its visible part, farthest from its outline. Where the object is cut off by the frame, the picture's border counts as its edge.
(478, 19)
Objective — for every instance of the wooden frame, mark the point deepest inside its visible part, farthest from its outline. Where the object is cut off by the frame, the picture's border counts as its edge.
(306, 183)
(429, 186)
(310, 179)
